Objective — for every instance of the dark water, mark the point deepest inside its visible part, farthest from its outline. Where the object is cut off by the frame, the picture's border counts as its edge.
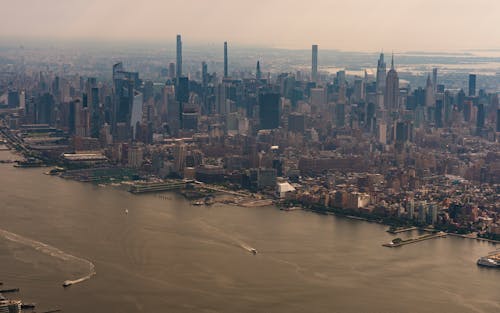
(169, 256)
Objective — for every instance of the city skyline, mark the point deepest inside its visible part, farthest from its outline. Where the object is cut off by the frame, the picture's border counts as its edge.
(332, 25)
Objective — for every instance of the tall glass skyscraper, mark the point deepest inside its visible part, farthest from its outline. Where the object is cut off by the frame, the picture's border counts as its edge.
(179, 57)
(314, 65)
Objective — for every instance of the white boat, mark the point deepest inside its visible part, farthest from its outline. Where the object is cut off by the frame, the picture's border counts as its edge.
(487, 262)
(254, 252)
(67, 283)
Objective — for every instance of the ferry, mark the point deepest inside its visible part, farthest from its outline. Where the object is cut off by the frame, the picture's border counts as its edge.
(487, 262)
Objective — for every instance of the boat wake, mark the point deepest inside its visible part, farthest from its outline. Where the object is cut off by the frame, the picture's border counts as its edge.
(233, 240)
(53, 252)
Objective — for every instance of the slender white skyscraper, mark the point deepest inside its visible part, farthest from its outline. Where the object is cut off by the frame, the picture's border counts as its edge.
(314, 64)
(179, 57)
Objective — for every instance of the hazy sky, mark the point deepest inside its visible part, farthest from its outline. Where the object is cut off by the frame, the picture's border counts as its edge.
(370, 25)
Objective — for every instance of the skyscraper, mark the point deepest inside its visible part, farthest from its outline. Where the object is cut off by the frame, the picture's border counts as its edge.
(381, 74)
(179, 57)
(204, 73)
(434, 79)
(314, 65)
(472, 85)
(258, 73)
(429, 93)
(481, 116)
(225, 60)
(392, 89)
(498, 120)
(269, 110)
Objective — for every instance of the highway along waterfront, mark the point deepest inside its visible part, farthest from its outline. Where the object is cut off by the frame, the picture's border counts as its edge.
(166, 255)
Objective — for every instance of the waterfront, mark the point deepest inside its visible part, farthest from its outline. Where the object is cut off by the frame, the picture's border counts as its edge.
(167, 255)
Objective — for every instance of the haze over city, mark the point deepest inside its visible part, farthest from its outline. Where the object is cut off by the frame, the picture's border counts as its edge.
(358, 25)
(249, 156)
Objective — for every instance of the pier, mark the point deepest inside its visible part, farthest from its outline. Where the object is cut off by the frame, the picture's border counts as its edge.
(398, 243)
(157, 187)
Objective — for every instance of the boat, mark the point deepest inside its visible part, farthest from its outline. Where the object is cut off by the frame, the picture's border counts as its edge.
(487, 262)
(67, 283)
(126, 211)
(198, 202)
(25, 306)
(254, 251)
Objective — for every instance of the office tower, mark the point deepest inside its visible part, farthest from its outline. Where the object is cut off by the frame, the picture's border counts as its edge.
(438, 114)
(225, 60)
(171, 70)
(13, 99)
(381, 74)
(269, 110)
(341, 78)
(481, 115)
(340, 115)
(314, 65)
(44, 107)
(359, 90)
(204, 74)
(429, 93)
(136, 112)
(472, 85)
(467, 110)
(182, 94)
(382, 132)
(498, 120)
(401, 132)
(179, 153)
(178, 71)
(392, 89)
(95, 113)
(258, 73)
(434, 79)
(296, 123)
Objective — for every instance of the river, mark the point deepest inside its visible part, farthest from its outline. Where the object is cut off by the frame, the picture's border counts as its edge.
(166, 255)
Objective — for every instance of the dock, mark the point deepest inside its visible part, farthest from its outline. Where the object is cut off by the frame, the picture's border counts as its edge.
(157, 187)
(398, 243)
(402, 230)
(9, 290)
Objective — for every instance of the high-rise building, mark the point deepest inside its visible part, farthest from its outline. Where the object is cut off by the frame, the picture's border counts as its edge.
(258, 73)
(314, 65)
(438, 114)
(434, 78)
(481, 116)
(359, 90)
(392, 89)
(13, 99)
(269, 110)
(171, 70)
(381, 74)
(225, 60)
(472, 85)
(204, 73)
(429, 93)
(498, 120)
(178, 71)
